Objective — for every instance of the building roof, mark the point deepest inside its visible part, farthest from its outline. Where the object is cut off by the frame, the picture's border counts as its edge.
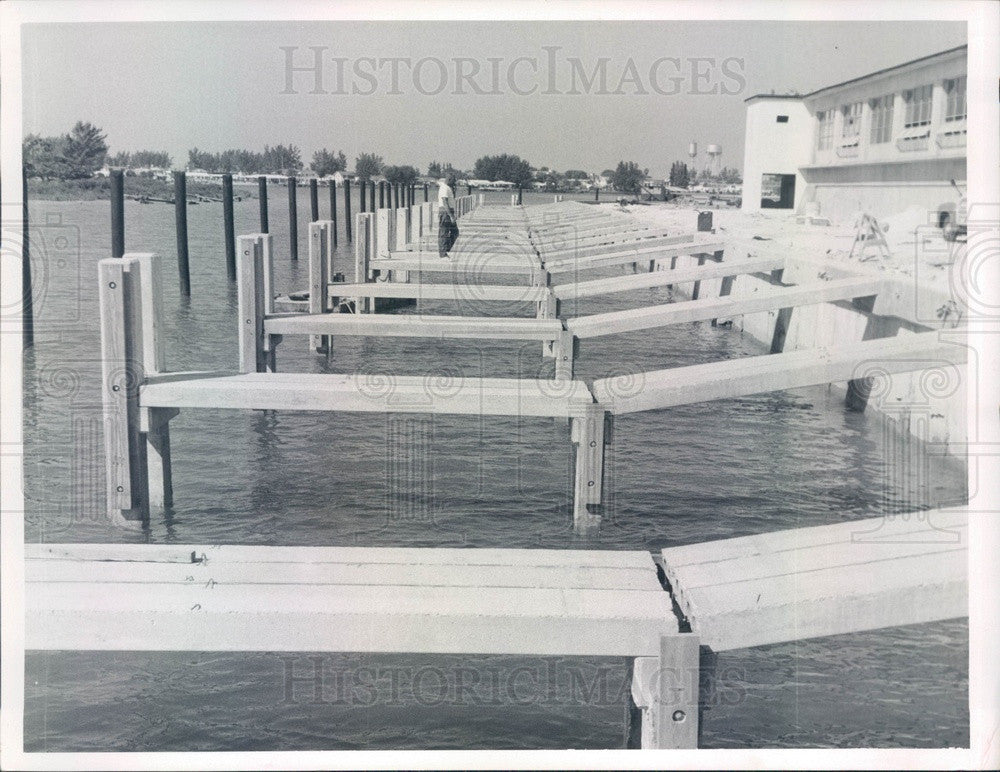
(920, 60)
(772, 96)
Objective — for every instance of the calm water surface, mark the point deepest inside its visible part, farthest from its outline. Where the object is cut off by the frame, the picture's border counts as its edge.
(677, 476)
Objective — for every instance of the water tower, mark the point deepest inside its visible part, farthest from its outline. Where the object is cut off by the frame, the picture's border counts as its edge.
(693, 151)
(715, 159)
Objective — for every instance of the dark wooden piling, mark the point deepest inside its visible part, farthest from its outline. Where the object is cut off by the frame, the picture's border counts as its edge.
(117, 213)
(293, 218)
(597, 194)
(313, 200)
(262, 195)
(27, 299)
(333, 209)
(468, 190)
(519, 195)
(181, 223)
(381, 195)
(347, 209)
(427, 193)
(362, 198)
(227, 225)
(372, 193)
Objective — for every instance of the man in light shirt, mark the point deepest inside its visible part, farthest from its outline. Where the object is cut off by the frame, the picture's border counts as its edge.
(447, 226)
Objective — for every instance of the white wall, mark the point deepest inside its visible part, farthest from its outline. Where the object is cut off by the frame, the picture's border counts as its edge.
(775, 148)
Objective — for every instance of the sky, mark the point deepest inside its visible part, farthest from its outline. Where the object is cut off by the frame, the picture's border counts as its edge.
(175, 86)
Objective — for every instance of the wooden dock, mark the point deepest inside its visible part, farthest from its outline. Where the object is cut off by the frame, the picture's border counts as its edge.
(735, 593)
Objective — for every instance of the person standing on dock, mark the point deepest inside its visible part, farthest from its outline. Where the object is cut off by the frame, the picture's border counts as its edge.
(447, 225)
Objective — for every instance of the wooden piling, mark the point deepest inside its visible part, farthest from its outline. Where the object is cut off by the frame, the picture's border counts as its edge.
(313, 200)
(180, 221)
(597, 194)
(120, 302)
(381, 195)
(371, 200)
(588, 434)
(319, 295)
(262, 195)
(347, 209)
(250, 293)
(519, 195)
(117, 212)
(27, 299)
(362, 198)
(293, 219)
(228, 226)
(333, 211)
(427, 193)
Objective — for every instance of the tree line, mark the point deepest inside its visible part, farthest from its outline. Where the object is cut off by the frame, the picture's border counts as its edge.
(84, 150)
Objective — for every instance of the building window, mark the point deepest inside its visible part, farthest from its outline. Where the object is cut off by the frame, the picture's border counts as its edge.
(782, 119)
(852, 121)
(918, 106)
(881, 119)
(955, 103)
(824, 138)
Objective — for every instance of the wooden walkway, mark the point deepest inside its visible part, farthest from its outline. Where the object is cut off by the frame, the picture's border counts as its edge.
(386, 600)
(785, 586)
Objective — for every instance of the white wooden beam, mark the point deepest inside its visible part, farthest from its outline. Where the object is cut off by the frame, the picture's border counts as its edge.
(666, 314)
(790, 585)
(760, 374)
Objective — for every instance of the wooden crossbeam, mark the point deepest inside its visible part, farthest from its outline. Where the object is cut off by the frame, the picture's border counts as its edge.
(459, 601)
(712, 308)
(458, 291)
(828, 580)
(732, 378)
(372, 393)
(630, 282)
(414, 326)
(639, 251)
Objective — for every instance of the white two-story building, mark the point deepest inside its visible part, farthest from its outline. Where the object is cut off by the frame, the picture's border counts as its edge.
(879, 143)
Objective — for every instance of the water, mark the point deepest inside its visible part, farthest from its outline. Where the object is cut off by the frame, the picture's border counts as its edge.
(676, 476)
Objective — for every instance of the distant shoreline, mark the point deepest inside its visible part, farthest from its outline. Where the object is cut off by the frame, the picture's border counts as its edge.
(99, 189)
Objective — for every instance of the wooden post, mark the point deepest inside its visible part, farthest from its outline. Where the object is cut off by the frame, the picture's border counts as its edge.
(384, 227)
(362, 197)
(154, 423)
(347, 209)
(267, 260)
(587, 432)
(319, 292)
(362, 256)
(180, 221)
(313, 200)
(262, 195)
(597, 194)
(120, 298)
(519, 195)
(250, 293)
(381, 194)
(293, 218)
(427, 193)
(372, 196)
(117, 212)
(563, 348)
(27, 299)
(668, 686)
(333, 210)
(398, 243)
(227, 225)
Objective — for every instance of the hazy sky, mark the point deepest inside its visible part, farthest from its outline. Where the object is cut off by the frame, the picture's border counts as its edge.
(174, 86)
